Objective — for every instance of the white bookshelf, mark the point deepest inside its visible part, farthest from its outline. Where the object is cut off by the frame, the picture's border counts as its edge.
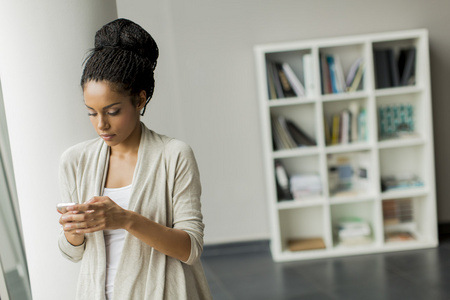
(318, 216)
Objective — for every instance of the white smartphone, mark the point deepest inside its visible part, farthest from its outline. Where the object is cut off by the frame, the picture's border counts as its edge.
(62, 207)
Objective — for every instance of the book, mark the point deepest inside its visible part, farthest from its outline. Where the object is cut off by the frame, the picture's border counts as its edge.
(276, 80)
(345, 127)
(308, 75)
(285, 133)
(393, 68)
(299, 136)
(382, 73)
(398, 236)
(270, 82)
(284, 82)
(276, 137)
(362, 125)
(326, 127)
(335, 129)
(340, 81)
(295, 83)
(406, 65)
(281, 135)
(357, 80)
(306, 244)
(354, 111)
(352, 72)
(325, 76)
(333, 74)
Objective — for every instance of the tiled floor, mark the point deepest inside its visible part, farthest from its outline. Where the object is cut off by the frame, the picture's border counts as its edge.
(407, 275)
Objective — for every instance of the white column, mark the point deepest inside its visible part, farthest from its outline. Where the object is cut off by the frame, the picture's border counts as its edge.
(42, 47)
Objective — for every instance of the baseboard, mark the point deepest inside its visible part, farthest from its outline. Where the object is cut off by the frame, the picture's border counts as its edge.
(236, 248)
(444, 231)
(264, 245)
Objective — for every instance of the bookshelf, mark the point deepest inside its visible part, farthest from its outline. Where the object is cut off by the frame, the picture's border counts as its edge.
(366, 182)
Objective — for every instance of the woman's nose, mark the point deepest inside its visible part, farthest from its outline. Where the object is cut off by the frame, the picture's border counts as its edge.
(102, 123)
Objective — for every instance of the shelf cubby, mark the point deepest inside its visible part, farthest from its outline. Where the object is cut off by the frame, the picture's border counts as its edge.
(349, 212)
(295, 225)
(404, 162)
(341, 59)
(405, 220)
(407, 116)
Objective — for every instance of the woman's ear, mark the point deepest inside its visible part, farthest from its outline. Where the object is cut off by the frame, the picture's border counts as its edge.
(142, 100)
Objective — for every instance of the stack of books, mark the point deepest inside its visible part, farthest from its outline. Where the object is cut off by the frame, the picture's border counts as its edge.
(354, 231)
(398, 220)
(305, 186)
(397, 211)
(400, 181)
(297, 186)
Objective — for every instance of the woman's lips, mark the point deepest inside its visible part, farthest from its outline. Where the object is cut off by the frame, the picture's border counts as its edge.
(107, 137)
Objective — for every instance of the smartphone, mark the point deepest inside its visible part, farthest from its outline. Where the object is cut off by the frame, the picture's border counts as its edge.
(62, 207)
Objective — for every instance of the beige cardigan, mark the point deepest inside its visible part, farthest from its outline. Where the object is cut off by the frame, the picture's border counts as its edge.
(166, 189)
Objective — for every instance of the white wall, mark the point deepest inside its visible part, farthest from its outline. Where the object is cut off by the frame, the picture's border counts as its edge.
(43, 44)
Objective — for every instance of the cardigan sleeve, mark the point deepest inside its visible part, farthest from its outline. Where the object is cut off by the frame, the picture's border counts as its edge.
(67, 187)
(186, 194)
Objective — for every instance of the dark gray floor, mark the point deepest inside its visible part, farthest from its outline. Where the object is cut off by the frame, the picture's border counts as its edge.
(407, 275)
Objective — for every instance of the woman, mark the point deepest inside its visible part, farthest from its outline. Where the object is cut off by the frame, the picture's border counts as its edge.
(137, 225)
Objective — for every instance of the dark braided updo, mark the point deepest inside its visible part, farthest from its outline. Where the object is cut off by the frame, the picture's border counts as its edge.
(125, 55)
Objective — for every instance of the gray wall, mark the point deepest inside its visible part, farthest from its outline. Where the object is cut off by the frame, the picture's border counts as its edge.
(207, 50)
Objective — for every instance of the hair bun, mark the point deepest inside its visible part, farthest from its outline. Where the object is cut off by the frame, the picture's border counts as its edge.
(127, 35)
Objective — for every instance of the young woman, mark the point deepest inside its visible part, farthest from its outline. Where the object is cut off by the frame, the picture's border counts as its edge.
(137, 224)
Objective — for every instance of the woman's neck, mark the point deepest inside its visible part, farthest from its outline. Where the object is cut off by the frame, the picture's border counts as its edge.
(131, 145)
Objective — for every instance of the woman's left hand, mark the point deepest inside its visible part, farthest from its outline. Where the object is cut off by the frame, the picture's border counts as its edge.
(98, 213)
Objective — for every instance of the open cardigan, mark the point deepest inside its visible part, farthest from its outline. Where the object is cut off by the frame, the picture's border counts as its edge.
(166, 189)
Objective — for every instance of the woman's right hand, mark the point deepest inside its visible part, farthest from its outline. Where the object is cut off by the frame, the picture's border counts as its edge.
(69, 228)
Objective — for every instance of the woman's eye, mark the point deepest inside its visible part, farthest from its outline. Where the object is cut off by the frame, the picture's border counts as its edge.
(113, 113)
(92, 114)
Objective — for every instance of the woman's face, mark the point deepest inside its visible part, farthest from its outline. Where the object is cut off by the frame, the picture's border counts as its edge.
(113, 115)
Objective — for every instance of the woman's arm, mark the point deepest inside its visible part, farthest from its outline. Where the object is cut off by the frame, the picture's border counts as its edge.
(70, 243)
(172, 242)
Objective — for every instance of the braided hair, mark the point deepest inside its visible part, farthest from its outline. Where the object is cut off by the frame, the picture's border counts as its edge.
(125, 56)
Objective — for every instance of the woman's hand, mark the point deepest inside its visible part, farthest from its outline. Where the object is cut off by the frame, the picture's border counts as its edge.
(98, 213)
(101, 213)
(72, 236)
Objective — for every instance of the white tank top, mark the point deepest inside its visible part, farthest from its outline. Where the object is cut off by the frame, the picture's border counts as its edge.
(115, 238)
